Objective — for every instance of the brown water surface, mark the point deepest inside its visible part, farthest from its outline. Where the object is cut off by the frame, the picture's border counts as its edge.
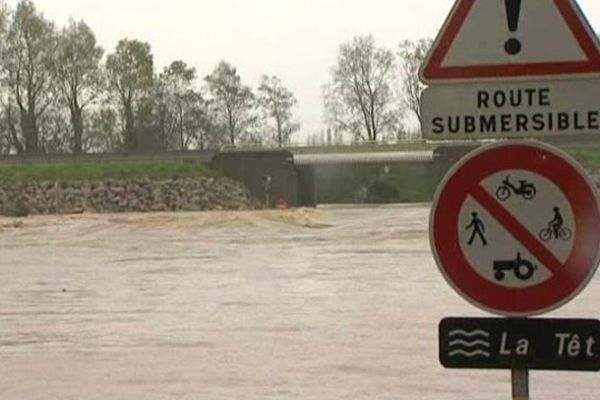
(335, 303)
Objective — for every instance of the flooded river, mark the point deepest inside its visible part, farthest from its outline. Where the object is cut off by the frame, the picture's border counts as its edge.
(334, 303)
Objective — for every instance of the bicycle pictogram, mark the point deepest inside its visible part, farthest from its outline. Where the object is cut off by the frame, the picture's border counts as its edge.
(555, 229)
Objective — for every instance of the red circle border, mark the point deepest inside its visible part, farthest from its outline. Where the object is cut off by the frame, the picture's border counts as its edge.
(539, 159)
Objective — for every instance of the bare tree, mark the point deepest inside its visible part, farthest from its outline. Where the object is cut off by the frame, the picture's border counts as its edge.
(130, 73)
(54, 130)
(278, 102)
(6, 125)
(182, 115)
(4, 22)
(412, 54)
(360, 98)
(27, 58)
(78, 74)
(233, 102)
(102, 133)
(5, 138)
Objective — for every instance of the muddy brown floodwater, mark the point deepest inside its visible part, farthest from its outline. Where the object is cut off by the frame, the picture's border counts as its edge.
(334, 303)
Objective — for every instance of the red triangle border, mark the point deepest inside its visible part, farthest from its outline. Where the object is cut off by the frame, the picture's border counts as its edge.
(434, 71)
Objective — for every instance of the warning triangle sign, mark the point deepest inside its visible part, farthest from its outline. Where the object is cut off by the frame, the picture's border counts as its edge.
(512, 39)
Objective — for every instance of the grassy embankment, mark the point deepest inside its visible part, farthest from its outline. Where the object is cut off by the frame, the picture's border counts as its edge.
(588, 156)
(103, 170)
(402, 183)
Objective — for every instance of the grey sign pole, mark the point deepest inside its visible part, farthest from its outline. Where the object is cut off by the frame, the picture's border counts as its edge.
(520, 384)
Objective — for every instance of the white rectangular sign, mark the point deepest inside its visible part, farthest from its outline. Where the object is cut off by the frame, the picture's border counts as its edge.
(511, 110)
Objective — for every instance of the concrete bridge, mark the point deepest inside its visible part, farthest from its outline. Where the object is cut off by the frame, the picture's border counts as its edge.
(280, 176)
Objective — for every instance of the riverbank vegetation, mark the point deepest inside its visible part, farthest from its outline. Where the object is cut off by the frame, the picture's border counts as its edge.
(104, 170)
(415, 182)
(63, 93)
(588, 156)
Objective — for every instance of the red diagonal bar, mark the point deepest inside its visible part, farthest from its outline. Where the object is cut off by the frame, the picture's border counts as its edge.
(519, 232)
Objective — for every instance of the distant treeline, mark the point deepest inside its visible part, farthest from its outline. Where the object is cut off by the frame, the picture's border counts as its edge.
(60, 93)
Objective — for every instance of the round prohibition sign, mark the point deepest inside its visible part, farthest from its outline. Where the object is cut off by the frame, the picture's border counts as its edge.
(515, 228)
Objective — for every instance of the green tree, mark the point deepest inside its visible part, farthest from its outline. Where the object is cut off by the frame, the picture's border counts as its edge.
(232, 101)
(182, 116)
(54, 128)
(130, 72)
(103, 135)
(412, 54)
(78, 74)
(6, 140)
(278, 101)
(27, 59)
(360, 98)
(4, 23)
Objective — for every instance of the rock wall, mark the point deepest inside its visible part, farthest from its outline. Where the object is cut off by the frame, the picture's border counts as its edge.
(68, 197)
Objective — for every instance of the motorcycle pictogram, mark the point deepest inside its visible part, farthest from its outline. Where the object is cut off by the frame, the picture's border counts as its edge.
(507, 189)
(523, 269)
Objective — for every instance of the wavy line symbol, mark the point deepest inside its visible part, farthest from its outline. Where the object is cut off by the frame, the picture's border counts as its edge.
(474, 343)
(471, 354)
(469, 344)
(460, 332)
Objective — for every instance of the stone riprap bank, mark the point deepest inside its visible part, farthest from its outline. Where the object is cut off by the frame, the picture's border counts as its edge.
(112, 195)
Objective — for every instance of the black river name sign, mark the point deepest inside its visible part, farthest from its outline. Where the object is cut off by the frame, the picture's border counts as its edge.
(519, 343)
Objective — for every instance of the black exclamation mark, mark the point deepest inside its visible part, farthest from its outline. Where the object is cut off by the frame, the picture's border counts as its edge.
(513, 11)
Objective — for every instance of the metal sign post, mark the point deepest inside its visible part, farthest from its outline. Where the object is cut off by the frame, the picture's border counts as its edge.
(498, 202)
(515, 227)
(520, 384)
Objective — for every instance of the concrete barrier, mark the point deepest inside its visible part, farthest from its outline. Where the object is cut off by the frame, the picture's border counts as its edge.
(269, 175)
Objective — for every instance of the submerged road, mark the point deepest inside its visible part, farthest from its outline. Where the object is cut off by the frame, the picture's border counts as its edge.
(333, 303)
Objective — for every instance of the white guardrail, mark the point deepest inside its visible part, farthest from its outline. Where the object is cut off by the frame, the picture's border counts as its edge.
(364, 158)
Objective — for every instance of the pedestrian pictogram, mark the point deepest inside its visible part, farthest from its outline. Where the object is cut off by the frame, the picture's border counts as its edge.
(517, 249)
(478, 230)
(508, 39)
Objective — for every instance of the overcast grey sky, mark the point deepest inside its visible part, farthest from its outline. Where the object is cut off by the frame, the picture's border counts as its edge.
(296, 40)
